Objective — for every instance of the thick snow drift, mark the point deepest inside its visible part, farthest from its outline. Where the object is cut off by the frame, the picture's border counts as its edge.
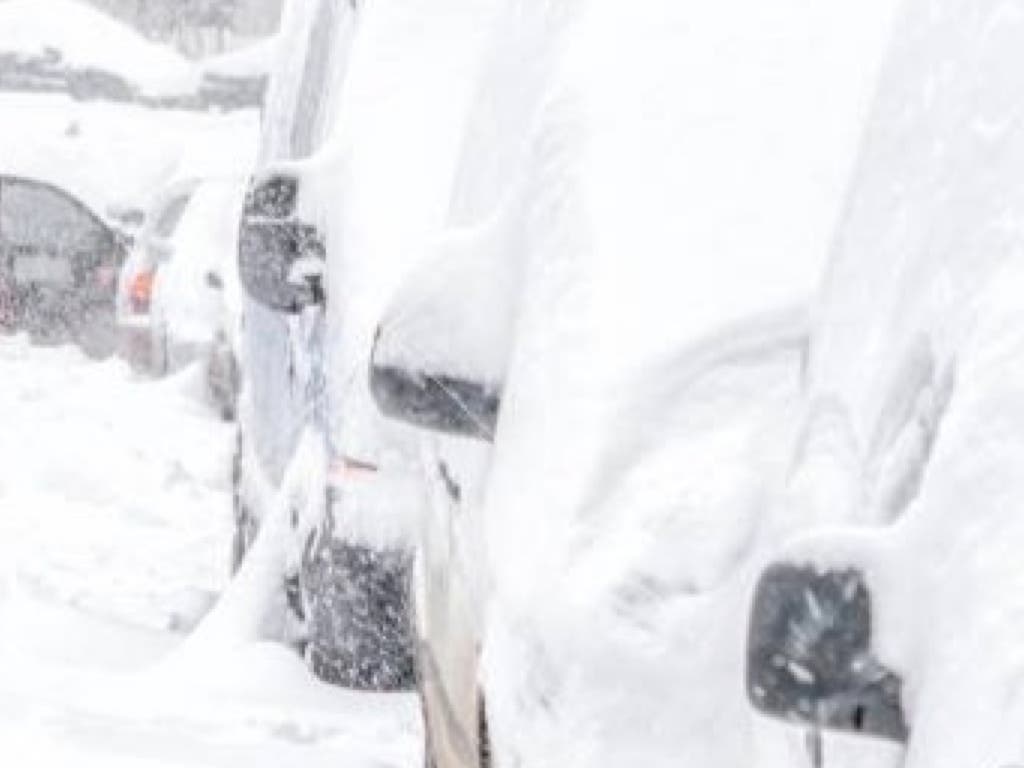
(114, 530)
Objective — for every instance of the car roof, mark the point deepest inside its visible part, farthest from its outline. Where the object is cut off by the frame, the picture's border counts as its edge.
(70, 194)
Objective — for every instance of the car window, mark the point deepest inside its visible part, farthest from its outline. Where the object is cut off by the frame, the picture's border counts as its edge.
(314, 76)
(170, 215)
(39, 216)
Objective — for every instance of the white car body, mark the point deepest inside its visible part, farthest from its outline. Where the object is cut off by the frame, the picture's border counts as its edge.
(367, 134)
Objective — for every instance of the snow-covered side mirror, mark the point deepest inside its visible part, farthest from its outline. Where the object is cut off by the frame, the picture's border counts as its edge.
(809, 659)
(275, 248)
(441, 348)
(435, 401)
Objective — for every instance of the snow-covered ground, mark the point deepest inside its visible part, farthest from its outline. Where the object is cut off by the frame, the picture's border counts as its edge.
(114, 534)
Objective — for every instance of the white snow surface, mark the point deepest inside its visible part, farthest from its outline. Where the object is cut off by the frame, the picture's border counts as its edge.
(115, 530)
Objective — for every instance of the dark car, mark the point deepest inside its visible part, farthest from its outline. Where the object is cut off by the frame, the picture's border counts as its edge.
(58, 266)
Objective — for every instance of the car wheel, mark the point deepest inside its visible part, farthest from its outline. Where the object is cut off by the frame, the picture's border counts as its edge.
(357, 613)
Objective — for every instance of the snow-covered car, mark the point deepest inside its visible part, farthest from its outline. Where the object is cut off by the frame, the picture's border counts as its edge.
(891, 637)
(176, 293)
(153, 246)
(359, 155)
(609, 377)
(282, 255)
(58, 265)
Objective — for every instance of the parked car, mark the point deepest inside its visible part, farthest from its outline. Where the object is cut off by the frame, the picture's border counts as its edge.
(358, 158)
(891, 637)
(154, 245)
(177, 293)
(607, 377)
(58, 265)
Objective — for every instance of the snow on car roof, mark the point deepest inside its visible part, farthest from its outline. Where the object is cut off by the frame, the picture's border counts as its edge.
(86, 37)
(113, 156)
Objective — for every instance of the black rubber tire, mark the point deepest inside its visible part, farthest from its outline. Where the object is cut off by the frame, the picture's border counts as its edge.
(357, 608)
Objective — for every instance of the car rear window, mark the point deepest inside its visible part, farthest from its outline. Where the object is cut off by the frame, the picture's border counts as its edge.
(40, 217)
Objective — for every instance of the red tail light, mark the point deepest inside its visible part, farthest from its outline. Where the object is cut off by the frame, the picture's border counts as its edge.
(140, 291)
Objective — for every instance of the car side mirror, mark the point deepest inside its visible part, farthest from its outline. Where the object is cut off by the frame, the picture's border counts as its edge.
(280, 258)
(809, 659)
(272, 197)
(435, 401)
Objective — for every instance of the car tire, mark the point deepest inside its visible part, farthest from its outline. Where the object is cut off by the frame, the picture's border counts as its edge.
(357, 615)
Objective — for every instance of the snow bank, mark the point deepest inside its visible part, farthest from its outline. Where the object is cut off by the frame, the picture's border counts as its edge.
(114, 515)
(130, 535)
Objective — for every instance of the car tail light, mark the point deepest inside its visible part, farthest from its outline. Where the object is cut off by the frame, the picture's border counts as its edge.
(140, 291)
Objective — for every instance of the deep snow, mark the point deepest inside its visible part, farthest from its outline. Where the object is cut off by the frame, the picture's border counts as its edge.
(114, 532)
